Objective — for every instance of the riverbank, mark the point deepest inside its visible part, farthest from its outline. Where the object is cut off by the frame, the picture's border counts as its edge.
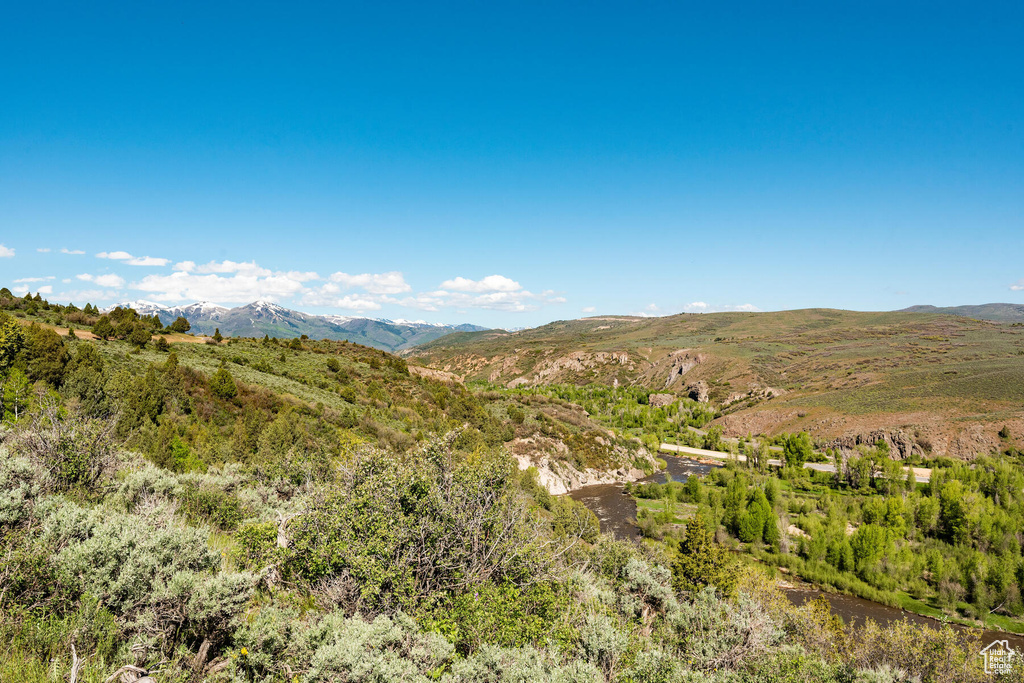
(616, 511)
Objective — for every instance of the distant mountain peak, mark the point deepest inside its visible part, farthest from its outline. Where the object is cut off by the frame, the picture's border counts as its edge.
(265, 317)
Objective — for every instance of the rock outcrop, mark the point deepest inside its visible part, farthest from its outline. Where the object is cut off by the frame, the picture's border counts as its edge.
(682, 361)
(698, 391)
(559, 476)
(901, 445)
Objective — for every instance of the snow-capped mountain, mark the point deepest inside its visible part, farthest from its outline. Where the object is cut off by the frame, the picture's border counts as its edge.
(200, 309)
(265, 317)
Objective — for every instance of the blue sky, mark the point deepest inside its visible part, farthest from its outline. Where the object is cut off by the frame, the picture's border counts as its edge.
(513, 165)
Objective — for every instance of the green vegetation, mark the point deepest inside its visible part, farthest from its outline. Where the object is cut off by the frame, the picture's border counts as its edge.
(807, 365)
(255, 511)
(948, 548)
(628, 410)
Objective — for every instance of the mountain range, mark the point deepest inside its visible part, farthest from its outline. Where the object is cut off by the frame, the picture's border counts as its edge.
(267, 318)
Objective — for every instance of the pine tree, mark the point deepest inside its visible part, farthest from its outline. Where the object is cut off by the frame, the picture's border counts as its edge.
(702, 562)
(103, 329)
(222, 384)
(139, 335)
(217, 336)
(181, 325)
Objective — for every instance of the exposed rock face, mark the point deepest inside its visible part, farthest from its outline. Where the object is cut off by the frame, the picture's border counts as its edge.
(432, 373)
(579, 362)
(659, 400)
(683, 361)
(559, 476)
(698, 391)
(967, 443)
(901, 445)
(557, 369)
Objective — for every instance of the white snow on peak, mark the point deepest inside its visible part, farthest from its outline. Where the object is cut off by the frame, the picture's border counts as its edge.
(422, 323)
(205, 306)
(141, 306)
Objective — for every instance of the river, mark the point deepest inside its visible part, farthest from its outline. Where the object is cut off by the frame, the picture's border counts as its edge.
(616, 512)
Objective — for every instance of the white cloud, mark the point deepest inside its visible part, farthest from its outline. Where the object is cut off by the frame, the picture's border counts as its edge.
(491, 283)
(392, 282)
(133, 260)
(494, 292)
(147, 261)
(234, 283)
(588, 309)
(34, 279)
(87, 295)
(46, 289)
(73, 252)
(108, 280)
(6, 252)
(703, 307)
(244, 281)
(43, 250)
(226, 266)
(1018, 285)
(377, 288)
(349, 302)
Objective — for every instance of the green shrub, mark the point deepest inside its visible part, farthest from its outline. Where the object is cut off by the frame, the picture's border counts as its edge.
(257, 544)
(210, 505)
(502, 614)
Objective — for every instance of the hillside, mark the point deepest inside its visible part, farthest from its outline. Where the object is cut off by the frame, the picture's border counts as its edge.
(258, 511)
(1007, 313)
(262, 318)
(935, 384)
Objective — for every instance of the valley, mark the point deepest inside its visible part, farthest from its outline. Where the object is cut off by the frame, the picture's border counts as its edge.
(928, 384)
(455, 496)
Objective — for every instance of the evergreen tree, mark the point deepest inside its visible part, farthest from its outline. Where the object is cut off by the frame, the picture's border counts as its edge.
(103, 328)
(772, 535)
(217, 336)
(222, 384)
(181, 325)
(139, 336)
(44, 355)
(702, 562)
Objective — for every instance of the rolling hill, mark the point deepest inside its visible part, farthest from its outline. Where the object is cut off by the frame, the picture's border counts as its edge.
(932, 382)
(1012, 313)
